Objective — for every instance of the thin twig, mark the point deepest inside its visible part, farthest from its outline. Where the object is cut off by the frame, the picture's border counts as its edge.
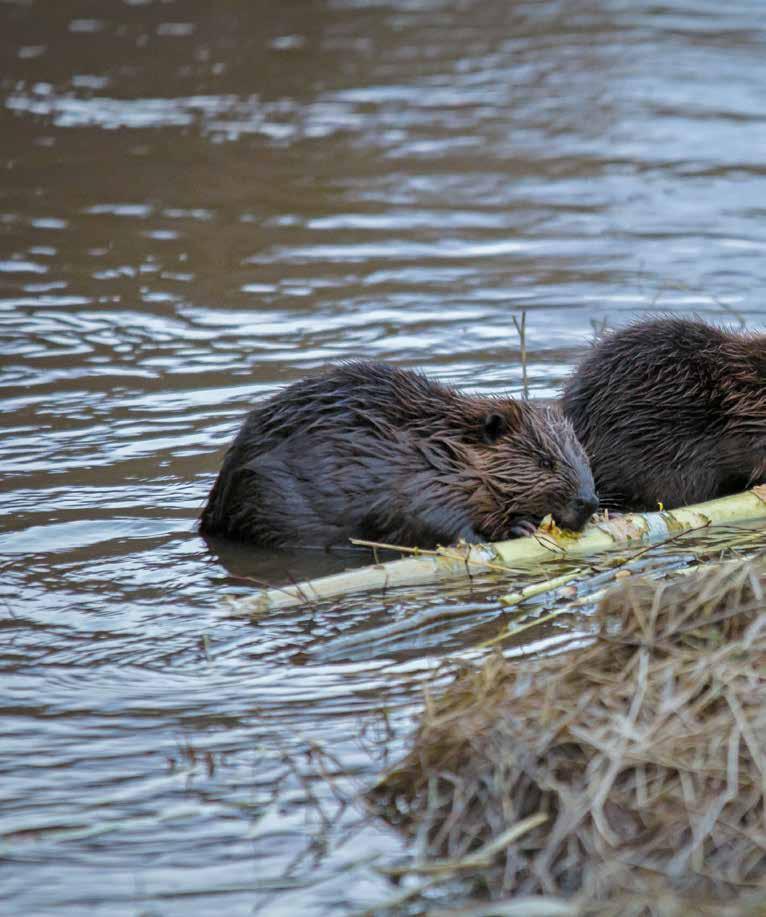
(521, 328)
(481, 857)
(437, 552)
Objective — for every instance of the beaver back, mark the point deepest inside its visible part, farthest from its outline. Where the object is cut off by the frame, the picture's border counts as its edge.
(670, 411)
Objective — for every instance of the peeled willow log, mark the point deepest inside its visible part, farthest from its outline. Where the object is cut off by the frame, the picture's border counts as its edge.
(422, 568)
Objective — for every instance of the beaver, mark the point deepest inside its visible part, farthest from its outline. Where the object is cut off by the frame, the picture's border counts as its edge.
(671, 411)
(372, 452)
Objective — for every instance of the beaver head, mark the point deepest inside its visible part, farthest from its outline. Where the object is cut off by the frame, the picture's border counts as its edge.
(531, 464)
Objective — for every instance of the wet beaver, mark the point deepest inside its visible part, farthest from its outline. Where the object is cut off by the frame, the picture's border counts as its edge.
(385, 454)
(671, 411)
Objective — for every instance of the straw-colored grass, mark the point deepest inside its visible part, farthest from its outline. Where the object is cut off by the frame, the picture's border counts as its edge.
(636, 767)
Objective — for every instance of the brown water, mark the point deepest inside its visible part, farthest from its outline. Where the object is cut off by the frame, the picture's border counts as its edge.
(200, 202)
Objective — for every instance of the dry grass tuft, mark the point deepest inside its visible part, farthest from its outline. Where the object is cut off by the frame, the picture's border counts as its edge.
(647, 752)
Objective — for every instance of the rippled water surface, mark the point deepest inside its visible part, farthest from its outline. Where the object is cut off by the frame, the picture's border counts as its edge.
(202, 202)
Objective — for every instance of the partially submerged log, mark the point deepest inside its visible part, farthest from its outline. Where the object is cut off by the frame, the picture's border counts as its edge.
(548, 543)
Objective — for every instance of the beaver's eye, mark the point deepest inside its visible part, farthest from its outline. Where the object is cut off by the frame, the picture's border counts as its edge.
(547, 463)
(493, 427)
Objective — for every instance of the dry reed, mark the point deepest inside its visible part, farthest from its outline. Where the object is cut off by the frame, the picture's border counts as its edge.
(644, 755)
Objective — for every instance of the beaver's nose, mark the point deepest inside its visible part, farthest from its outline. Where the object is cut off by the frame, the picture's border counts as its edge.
(586, 505)
(577, 512)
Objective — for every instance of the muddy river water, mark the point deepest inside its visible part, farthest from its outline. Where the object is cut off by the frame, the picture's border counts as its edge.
(202, 202)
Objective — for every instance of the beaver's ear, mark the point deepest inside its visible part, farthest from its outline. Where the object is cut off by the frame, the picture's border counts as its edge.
(492, 427)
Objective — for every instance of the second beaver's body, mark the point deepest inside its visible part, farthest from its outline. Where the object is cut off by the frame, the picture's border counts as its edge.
(377, 453)
(671, 412)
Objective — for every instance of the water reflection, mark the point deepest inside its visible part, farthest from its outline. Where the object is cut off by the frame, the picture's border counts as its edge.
(198, 204)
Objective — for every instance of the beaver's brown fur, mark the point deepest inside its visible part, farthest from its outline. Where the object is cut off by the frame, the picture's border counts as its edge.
(671, 411)
(373, 452)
